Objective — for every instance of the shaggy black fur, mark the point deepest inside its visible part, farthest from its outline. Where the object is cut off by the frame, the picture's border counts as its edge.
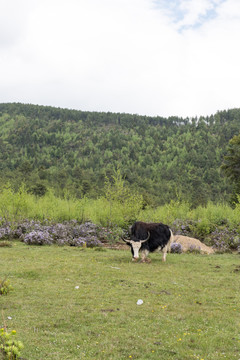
(160, 235)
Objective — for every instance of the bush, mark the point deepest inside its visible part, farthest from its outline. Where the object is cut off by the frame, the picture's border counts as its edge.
(183, 227)
(89, 242)
(5, 287)
(67, 233)
(176, 248)
(10, 347)
(37, 238)
(193, 249)
(5, 231)
(225, 239)
(202, 228)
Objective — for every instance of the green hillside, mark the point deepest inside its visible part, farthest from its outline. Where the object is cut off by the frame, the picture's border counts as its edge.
(73, 152)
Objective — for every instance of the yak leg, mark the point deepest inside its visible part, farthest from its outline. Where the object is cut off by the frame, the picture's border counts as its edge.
(165, 250)
(144, 255)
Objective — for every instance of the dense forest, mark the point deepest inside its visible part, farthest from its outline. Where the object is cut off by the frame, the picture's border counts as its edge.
(73, 152)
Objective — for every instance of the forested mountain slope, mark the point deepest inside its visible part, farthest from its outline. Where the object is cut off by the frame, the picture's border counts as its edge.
(73, 151)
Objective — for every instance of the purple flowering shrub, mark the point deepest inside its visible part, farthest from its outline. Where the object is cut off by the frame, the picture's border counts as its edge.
(92, 241)
(67, 233)
(176, 248)
(37, 237)
(89, 241)
(224, 239)
(80, 241)
(183, 227)
(194, 249)
(5, 231)
(71, 233)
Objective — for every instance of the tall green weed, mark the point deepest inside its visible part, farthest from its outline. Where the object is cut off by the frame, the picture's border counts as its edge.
(119, 206)
(167, 213)
(14, 205)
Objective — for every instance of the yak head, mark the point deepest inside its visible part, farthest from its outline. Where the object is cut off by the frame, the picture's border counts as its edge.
(135, 245)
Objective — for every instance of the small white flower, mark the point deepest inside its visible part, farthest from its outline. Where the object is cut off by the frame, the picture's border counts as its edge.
(9, 318)
(139, 302)
(76, 287)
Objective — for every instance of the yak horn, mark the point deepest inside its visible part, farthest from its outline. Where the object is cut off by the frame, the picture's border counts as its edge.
(142, 241)
(126, 240)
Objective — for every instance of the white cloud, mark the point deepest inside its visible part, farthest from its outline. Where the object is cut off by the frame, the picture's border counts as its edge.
(121, 56)
(189, 13)
(194, 10)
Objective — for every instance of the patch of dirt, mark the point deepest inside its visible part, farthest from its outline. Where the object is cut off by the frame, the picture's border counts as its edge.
(117, 246)
(189, 244)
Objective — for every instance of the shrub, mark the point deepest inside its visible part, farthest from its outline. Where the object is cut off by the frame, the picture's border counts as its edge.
(89, 242)
(5, 287)
(202, 228)
(37, 238)
(193, 249)
(67, 233)
(10, 347)
(225, 239)
(93, 242)
(176, 248)
(193, 228)
(5, 231)
(79, 242)
(183, 227)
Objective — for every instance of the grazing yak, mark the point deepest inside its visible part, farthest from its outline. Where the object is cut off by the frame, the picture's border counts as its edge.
(149, 237)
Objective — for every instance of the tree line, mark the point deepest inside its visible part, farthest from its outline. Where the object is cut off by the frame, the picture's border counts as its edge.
(74, 152)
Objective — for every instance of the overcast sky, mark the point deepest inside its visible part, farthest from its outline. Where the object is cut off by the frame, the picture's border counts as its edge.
(147, 57)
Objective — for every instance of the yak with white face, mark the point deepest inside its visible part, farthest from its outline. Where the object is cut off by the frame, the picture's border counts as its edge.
(149, 237)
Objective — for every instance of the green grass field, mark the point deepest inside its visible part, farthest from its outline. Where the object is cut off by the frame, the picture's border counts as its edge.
(74, 303)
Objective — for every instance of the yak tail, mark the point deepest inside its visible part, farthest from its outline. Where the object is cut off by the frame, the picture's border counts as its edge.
(171, 240)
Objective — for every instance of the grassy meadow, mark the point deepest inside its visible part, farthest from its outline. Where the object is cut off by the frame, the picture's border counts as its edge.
(81, 303)
(75, 303)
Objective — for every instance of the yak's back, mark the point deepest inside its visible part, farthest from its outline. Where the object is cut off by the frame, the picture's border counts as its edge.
(159, 232)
